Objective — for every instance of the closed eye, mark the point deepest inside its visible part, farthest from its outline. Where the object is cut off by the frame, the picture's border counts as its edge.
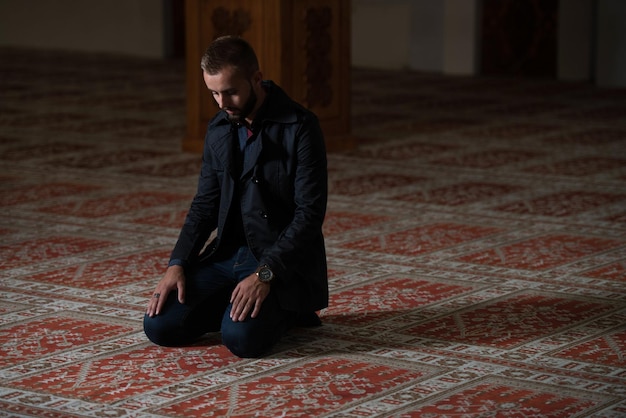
(230, 92)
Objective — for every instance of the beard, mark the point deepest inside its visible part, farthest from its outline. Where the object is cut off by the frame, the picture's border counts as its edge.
(247, 108)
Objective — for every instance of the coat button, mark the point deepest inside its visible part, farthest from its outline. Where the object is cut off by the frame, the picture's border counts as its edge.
(263, 214)
(255, 180)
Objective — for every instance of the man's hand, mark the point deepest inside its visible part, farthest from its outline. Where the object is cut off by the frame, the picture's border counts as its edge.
(174, 279)
(249, 294)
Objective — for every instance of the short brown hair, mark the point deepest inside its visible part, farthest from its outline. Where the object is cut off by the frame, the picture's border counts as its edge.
(231, 51)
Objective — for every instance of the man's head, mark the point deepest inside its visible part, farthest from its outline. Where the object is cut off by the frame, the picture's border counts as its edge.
(231, 73)
(230, 51)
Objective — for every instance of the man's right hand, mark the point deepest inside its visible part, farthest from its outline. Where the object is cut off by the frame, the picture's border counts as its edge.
(174, 279)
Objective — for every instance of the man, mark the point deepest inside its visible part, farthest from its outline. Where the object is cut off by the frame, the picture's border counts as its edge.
(263, 188)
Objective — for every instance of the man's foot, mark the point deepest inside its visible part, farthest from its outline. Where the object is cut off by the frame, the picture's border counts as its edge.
(308, 319)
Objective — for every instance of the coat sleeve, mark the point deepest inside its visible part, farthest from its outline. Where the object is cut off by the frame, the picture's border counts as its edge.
(301, 240)
(201, 219)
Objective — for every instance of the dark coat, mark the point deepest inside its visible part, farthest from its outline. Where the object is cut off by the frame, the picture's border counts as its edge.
(283, 189)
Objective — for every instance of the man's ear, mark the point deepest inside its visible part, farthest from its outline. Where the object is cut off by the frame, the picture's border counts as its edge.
(257, 77)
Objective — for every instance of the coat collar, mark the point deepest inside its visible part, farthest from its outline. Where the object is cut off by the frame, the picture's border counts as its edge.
(221, 145)
(277, 108)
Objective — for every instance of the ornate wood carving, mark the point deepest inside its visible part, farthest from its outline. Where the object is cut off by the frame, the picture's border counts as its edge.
(319, 66)
(226, 22)
(519, 37)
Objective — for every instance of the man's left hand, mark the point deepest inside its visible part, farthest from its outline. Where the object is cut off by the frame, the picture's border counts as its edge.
(248, 295)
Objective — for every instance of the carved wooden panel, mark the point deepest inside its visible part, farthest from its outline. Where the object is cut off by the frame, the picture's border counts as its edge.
(317, 56)
(519, 37)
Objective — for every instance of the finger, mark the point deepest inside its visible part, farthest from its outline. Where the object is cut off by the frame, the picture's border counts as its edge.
(241, 316)
(235, 300)
(257, 308)
(233, 304)
(159, 301)
(181, 291)
(235, 311)
(152, 304)
(246, 309)
(240, 309)
(234, 295)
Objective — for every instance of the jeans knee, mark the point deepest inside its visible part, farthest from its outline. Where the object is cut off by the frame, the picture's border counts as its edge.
(239, 343)
(157, 332)
(246, 341)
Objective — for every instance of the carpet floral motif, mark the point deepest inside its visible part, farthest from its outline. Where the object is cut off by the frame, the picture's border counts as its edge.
(476, 242)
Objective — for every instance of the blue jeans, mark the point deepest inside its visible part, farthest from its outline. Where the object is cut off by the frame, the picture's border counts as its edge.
(207, 309)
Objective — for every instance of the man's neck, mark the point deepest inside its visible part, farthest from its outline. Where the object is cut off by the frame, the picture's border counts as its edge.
(261, 96)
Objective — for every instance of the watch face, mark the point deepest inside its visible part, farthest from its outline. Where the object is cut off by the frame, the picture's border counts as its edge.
(265, 275)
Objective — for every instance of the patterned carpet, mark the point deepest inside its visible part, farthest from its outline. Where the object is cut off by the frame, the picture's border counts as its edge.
(476, 243)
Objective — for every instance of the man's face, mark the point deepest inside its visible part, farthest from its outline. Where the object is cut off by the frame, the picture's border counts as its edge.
(233, 93)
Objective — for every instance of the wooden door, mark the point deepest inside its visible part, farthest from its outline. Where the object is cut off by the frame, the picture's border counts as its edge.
(519, 37)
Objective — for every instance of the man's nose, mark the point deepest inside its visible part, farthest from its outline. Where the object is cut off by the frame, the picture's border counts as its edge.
(223, 102)
(219, 100)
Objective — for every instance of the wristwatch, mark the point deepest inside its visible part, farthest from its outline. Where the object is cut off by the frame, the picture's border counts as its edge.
(265, 274)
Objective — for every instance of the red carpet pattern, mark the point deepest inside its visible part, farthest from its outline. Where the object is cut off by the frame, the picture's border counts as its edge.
(476, 245)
